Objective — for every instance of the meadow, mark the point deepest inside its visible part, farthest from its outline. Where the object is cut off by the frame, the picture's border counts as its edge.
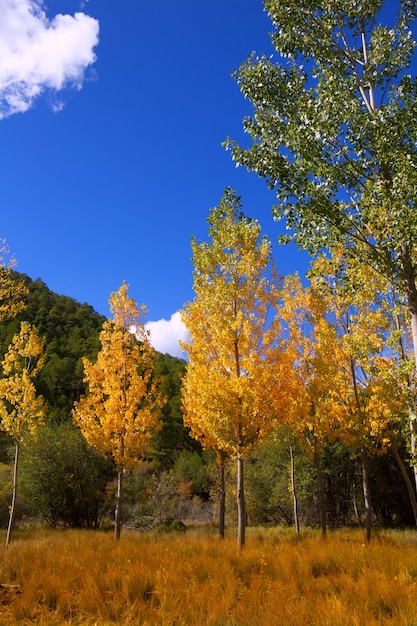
(57, 577)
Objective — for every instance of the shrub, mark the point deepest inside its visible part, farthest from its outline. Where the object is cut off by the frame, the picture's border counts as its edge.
(64, 480)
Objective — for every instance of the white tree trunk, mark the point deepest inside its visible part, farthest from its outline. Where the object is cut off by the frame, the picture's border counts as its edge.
(13, 505)
(241, 511)
(118, 509)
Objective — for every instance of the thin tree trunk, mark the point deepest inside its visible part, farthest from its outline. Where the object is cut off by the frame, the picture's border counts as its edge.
(366, 494)
(412, 415)
(222, 496)
(13, 505)
(412, 303)
(412, 431)
(411, 293)
(294, 493)
(355, 504)
(322, 507)
(407, 480)
(241, 512)
(118, 510)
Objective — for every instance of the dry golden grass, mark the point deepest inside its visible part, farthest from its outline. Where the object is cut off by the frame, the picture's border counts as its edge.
(84, 578)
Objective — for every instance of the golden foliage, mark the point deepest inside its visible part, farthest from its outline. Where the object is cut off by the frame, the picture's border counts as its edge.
(122, 405)
(344, 331)
(238, 380)
(21, 410)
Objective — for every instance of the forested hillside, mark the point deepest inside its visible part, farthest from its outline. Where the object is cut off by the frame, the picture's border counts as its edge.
(71, 331)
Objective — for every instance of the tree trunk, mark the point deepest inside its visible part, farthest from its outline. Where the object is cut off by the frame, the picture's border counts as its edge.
(294, 493)
(118, 510)
(411, 293)
(412, 431)
(322, 506)
(366, 494)
(222, 497)
(412, 303)
(13, 505)
(241, 512)
(409, 484)
(412, 416)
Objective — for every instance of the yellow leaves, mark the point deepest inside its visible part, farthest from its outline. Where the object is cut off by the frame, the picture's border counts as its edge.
(25, 352)
(339, 331)
(122, 405)
(21, 410)
(236, 385)
(323, 358)
(126, 313)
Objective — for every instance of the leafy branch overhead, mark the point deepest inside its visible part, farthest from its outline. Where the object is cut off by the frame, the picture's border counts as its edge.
(334, 127)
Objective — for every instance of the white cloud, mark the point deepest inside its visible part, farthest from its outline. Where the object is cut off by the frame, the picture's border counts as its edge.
(165, 334)
(38, 54)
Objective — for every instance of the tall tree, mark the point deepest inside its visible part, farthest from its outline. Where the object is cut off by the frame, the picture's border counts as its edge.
(365, 400)
(312, 340)
(347, 360)
(122, 406)
(334, 130)
(21, 410)
(234, 386)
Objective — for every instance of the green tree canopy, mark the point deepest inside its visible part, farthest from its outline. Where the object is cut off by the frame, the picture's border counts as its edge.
(334, 130)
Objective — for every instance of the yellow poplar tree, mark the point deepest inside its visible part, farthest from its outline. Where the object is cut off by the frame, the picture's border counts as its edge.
(346, 354)
(21, 410)
(312, 341)
(364, 399)
(122, 405)
(236, 382)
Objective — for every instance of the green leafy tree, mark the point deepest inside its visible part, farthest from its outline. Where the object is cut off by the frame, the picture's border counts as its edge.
(64, 480)
(21, 409)
(234, 388)
(123, 404)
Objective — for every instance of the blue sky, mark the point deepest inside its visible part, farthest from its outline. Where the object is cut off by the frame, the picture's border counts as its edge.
(112, 114)
(110, 142)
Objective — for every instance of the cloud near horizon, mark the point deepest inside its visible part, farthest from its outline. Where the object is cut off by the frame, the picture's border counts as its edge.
(165, 335)
(38, 54)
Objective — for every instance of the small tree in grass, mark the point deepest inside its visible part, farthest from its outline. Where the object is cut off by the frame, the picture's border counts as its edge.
(21, 410)
(122, 406)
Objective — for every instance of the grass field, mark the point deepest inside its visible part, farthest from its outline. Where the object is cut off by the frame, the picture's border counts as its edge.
(82, 577)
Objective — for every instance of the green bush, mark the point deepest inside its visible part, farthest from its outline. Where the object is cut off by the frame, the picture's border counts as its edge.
(64, 480)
